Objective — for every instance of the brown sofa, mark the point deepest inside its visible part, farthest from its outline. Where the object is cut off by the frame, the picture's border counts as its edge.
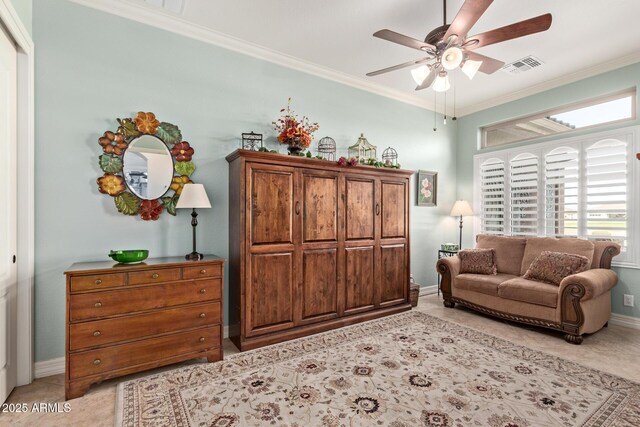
(580, 305)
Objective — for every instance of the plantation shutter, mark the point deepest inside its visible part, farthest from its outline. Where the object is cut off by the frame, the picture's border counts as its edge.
(492, 188)
(606, 191)
(523, 207)
(561, 184)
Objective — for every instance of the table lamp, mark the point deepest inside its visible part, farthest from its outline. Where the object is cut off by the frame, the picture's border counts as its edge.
(193, 196)
(461, 208)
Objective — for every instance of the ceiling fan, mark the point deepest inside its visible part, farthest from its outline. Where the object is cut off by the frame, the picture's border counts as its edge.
(448, 46)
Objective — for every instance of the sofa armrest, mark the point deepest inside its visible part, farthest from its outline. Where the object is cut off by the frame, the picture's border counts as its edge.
(448, 268)
(595, 282)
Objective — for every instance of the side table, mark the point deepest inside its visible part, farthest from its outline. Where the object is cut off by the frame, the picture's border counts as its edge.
(444, 254)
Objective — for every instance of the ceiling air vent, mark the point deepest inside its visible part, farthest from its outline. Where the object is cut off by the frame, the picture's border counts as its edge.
(521, 65)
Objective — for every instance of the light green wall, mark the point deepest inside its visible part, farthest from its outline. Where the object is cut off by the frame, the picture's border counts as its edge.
(468, 137)
(92, 67)
(23, 7)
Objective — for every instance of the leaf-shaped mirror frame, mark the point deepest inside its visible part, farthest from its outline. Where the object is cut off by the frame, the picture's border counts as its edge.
(111, 162)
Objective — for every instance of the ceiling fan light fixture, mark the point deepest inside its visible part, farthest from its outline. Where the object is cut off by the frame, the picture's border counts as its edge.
(420, 73)
(441, 83)
(471, 67)
(451, 58)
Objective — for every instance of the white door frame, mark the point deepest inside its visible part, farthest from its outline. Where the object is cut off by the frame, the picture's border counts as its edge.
(25, 264)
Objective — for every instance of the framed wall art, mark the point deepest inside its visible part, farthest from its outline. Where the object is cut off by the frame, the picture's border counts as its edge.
(427, 185)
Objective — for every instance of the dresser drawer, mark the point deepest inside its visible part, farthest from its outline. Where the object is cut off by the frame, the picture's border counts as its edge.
(108, 303)
(98, 281)
(140, 352)
(214, 270)
(100, 332)
(154, 276)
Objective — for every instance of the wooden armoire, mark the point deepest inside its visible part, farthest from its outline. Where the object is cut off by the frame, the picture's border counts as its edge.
(313, 246)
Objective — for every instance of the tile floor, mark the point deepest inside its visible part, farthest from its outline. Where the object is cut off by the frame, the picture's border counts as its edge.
(614, 349)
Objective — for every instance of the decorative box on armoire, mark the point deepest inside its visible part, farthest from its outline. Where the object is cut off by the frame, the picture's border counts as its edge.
(123, 319)
(313, 246)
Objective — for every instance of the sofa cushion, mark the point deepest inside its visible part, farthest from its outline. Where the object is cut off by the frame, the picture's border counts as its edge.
(509, 251)
(483, 283)
(520, 289)
(552, 267)
(536, 245)
(477, 261)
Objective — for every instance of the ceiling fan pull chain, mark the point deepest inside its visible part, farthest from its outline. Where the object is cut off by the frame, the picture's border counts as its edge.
(445, 109)
(435, 111)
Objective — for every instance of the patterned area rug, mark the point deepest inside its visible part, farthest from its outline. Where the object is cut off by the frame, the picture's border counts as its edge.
(410, 369)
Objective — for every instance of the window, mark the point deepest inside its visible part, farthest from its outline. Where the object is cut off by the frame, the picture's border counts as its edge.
(577, 187)
(594, 112)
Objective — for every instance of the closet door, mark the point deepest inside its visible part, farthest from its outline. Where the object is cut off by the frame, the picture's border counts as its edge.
(361, 222)
(393, 242)
(319, 274)
(270, 262)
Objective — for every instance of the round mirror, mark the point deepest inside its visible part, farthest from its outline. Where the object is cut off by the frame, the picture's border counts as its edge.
(148, 167)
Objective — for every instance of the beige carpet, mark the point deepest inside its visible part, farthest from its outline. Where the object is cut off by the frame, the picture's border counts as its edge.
(409, 369)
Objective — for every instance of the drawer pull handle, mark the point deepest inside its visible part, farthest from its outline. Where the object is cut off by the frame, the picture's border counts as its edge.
(203, 271)
(201, 339)
(97, 333)
(97, 362)
(155, 276)
(202, 315)
(203, 290)
(98, 305)
(98, 282)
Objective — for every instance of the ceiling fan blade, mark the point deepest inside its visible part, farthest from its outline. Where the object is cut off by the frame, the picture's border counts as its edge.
(429, 80)
(467, 16)
(398, 38)
(489, 65)
(513, 31)
(398, 67)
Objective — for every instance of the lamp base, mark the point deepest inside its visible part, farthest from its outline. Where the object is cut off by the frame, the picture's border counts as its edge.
(194, 256)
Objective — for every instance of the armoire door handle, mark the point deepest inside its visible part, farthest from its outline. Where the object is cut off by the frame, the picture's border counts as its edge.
(298, 208)
(377, 208)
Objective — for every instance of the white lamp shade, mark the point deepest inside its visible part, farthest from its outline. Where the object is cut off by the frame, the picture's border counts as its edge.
(461, 208)
(442, 83)
(193, 196)
(451, 58)
(420, 73)
(470, 68)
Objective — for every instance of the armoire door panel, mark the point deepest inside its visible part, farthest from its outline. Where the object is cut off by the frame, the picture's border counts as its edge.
(320, 207)
(271, 206)
(319, 283)
(359, 278)
(359, 208)
(393, 209)
(393, 268)
(270, 297)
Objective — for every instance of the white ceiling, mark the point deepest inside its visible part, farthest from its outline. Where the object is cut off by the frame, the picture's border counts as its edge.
(586, 37)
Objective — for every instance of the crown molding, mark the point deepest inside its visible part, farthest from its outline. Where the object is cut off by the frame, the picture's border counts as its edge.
(175, 24)
(553, 83)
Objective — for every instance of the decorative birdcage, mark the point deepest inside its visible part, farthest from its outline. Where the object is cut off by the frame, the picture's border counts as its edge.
(251, 141)
(390, 157)
(327, 148)
(363, 150)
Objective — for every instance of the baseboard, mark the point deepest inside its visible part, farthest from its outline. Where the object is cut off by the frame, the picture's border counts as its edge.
(627, 321)
(46, 368)
(428, 290)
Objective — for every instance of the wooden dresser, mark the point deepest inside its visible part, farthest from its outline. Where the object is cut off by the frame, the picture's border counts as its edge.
(313, 246)
(127, 318)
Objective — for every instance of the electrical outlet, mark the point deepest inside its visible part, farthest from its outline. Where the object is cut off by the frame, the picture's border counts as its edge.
(628, 300)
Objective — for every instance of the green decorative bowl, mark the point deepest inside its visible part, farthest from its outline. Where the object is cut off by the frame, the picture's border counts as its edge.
(130, 256)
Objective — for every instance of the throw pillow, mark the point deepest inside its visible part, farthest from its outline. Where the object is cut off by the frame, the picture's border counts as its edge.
(552, 267)
(478, 261)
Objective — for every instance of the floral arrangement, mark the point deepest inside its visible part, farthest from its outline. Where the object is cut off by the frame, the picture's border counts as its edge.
(294, 131)
(114, 145)
(353, 161)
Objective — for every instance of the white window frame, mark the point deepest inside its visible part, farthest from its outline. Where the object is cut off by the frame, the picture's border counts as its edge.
(631, 92)
(631, 134)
